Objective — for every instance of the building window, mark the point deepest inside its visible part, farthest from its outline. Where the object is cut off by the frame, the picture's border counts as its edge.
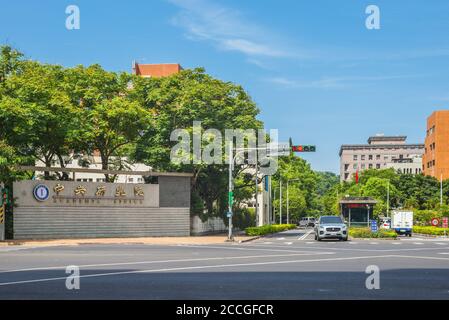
(355, 157)
(346, 167)
(363, 157)
(378, 166)
(378, 157)
(346, 176)
(130, 179)
(370, 157)
(370, 166)
(363, 166)
(354, 166)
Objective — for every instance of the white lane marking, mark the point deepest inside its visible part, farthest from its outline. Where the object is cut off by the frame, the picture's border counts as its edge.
(418, 243)
(374, 243)
(350, 249)
(169, 261)
(304, 236)
(280, 238)
(443, 252)
(8, 249)
(267, 242)
(310, 242)
(396, 243)
(441, 243)
(195, 268)
(420, 257)
(288, 243)
(352, 242)
(254, 247)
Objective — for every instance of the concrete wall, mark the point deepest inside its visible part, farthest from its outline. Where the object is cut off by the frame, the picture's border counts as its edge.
(209, 226)
(66, 215)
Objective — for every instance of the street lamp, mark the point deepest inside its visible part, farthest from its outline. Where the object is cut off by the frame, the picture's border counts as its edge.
(232, 158)
(288, 212)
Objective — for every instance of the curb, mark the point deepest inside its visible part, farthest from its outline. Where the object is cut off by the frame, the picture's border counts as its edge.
(429, 235)
(250, 239)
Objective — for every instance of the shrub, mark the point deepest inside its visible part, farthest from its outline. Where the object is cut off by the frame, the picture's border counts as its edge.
(366, 233)
(269, 228)
(431, 230)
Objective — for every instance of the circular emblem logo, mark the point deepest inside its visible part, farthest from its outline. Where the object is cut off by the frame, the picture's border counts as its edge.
(41, 192)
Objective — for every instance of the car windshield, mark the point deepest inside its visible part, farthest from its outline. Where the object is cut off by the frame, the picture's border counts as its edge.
(327, 220)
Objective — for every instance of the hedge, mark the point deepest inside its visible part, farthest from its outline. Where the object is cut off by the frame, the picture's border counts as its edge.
(431, 230)
(366, 233)
(267, 229)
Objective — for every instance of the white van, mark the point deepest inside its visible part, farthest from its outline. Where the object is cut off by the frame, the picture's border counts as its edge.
(307, 222)
(402, 222)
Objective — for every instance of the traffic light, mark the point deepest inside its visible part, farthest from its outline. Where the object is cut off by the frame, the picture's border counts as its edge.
(304, 148)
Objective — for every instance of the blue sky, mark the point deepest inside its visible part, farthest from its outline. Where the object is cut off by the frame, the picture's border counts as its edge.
(315, 71)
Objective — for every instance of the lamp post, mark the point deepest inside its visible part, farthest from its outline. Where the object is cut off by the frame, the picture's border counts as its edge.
(230, 186)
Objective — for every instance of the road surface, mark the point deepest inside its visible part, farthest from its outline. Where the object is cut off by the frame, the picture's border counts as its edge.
(289, 265)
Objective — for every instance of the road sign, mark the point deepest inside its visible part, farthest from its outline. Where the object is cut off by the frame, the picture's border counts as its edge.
(373, 226)
(435, 222)
(445, 222)
(229, 214)
(231, 198)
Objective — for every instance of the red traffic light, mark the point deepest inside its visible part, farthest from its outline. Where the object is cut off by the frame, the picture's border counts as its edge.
(303, 148)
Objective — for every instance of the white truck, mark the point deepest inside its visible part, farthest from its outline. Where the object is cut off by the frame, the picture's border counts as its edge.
(402, 222)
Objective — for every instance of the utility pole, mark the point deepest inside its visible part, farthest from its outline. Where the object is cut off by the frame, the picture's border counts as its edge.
(388, 198)
(280, 200)
(288, 213)
(230, 194)
(257, 189)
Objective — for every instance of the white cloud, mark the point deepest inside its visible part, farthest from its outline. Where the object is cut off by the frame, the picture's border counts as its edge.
(226, 28)
(334, 82)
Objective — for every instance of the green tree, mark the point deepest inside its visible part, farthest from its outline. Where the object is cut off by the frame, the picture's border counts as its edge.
(35, 113)
(175, 102)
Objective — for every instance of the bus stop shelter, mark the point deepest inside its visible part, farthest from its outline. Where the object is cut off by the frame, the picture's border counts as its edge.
(357, 211)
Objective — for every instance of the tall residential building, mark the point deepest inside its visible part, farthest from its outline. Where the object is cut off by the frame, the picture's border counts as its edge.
(156, 70)
(381, 152)
(436, 157)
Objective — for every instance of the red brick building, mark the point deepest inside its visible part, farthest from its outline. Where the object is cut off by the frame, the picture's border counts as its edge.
(156, 70)
(436, 156)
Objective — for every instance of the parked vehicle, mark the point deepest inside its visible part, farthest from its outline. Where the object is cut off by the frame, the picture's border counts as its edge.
(307, 222)
(328, 227)
(402, 222)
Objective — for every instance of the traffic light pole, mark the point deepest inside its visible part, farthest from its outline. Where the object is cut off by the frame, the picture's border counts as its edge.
(230, 195)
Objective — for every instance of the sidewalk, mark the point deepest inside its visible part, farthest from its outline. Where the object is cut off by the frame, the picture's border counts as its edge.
(193, 240)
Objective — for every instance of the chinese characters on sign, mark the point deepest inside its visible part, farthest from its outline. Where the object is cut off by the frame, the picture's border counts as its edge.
(80, 195)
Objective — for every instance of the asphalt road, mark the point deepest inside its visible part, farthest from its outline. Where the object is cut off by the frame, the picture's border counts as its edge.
(290, 265)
